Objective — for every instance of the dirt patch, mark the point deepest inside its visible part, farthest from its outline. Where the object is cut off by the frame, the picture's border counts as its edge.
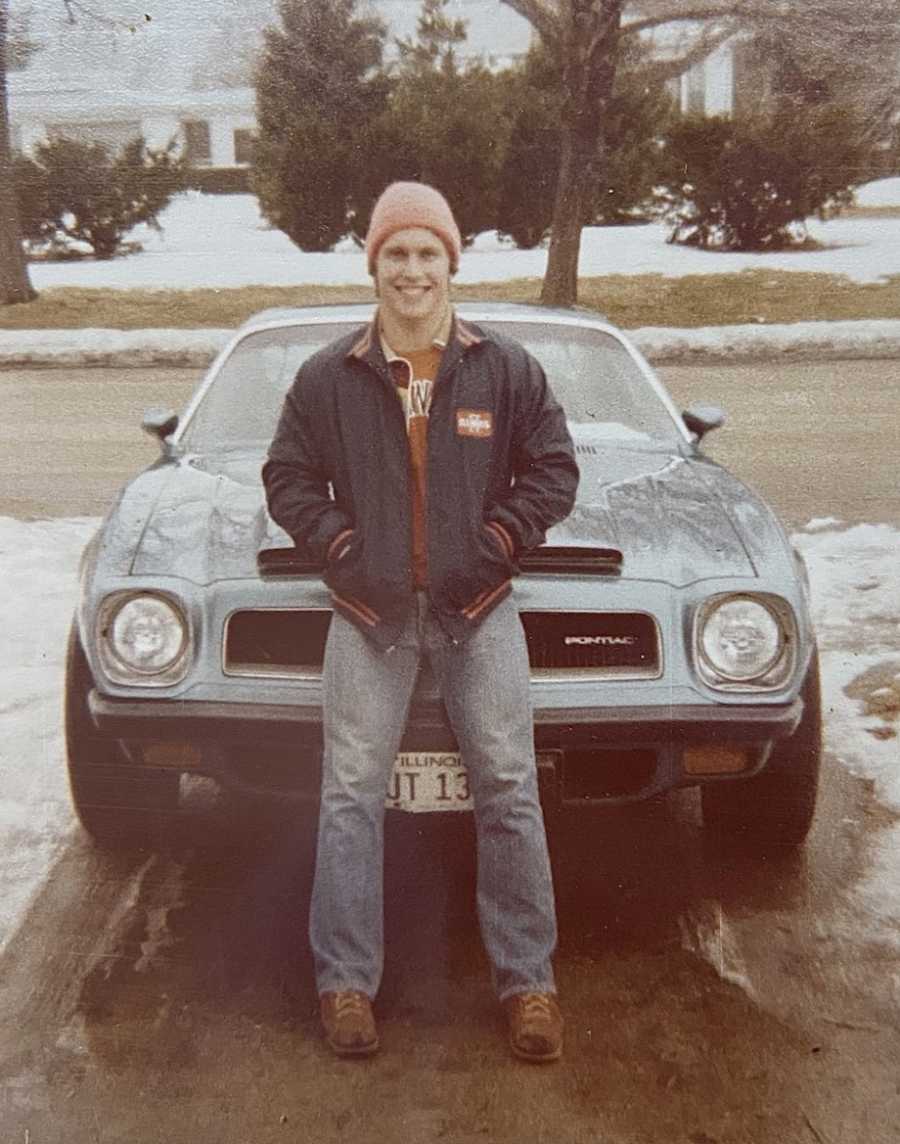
(878, 691)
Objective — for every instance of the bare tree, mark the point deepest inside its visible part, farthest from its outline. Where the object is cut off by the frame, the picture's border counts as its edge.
(587, 38)
(15, 283)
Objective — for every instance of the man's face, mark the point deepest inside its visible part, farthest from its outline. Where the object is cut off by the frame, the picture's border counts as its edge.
(412, 276)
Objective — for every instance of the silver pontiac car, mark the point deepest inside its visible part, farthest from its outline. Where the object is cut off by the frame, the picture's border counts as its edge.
(667, 618)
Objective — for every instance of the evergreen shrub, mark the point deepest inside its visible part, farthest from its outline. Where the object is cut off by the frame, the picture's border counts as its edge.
(74, 192)
(320, 92)
(750, 183)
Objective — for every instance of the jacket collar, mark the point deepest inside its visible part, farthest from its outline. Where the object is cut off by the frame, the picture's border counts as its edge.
(368, 346)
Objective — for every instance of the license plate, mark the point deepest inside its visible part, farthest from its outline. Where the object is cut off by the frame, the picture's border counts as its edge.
(427, 781)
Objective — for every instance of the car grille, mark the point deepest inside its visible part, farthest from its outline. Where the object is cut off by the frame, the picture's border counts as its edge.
(593, 645)
(276, 641)
(596, 644)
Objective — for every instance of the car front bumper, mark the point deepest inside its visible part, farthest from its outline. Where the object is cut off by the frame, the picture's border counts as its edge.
(586, 755)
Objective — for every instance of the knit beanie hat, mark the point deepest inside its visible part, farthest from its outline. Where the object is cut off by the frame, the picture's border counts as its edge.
(405, 205)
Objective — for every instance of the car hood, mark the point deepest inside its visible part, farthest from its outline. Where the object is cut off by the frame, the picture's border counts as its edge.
(675, 518)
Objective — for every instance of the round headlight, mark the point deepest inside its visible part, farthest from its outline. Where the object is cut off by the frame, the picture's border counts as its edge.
(741, 639)
(147, 634)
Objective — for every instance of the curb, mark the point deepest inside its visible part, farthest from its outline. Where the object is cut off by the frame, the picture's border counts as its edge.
(195, 349)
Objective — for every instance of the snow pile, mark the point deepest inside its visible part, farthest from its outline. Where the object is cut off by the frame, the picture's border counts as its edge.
(855, 574)
(196, 348)
(38, 570)
(222, 241)
(822, 340)
(855, 579)
(105, 347)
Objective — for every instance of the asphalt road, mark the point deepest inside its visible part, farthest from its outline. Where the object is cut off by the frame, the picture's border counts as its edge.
(816, 439)
(711, 999)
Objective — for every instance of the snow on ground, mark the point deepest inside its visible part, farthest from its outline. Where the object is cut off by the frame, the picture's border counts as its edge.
(855, 578)
(222, 241)
(880, 193)
(38, 570)
(126, 348)
(873, 338)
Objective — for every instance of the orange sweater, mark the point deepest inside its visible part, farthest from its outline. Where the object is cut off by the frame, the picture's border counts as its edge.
(414, 376)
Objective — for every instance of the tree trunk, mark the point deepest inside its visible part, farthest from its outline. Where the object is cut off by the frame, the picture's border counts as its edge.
(15, 284)
(560, 286)
(590, 55)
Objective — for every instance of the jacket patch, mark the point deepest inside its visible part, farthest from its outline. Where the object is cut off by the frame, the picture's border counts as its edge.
(474, 423)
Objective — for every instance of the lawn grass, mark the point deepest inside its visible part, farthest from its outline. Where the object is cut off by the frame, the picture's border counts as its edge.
(629, 301)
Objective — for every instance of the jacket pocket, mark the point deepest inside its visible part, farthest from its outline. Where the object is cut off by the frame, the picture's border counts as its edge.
(343, 562)
(487, 576)
(499, 536)
(483, 601)
(340, 546)
(344, 574)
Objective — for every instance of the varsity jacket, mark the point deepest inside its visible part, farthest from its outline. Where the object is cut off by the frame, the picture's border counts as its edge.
(500, 471)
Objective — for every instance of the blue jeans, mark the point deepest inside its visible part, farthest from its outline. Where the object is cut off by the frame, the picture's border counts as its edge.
(484, 682)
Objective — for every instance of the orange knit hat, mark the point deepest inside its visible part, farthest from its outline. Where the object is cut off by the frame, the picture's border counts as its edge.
(404, 205)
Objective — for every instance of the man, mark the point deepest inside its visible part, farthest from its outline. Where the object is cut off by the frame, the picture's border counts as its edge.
(417, 458)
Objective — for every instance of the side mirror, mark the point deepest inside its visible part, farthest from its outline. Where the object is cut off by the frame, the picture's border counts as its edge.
(160, 423)
(702, 419)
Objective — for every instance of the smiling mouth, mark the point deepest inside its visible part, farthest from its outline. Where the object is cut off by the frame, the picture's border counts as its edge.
(413, 294)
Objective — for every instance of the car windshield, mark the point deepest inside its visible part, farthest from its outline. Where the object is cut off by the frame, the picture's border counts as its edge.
(602, 389)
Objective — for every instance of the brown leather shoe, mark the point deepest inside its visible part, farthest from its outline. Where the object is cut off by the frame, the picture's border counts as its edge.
(349, 1023)
(535, 1026)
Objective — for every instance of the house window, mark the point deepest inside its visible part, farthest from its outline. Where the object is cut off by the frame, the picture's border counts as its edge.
(197, 142)
(244, 143)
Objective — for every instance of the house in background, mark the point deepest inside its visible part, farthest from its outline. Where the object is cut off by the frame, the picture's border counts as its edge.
(709, 87)
(188, 78)
(214, 128)
(184, 79)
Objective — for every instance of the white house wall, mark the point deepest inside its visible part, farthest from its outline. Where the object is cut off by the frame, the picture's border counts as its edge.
(160, 130)
(39, 108)
(719, 87)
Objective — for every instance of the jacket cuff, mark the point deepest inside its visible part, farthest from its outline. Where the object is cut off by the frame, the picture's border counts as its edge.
(505, 538)
(334, 549)
(319, 542)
